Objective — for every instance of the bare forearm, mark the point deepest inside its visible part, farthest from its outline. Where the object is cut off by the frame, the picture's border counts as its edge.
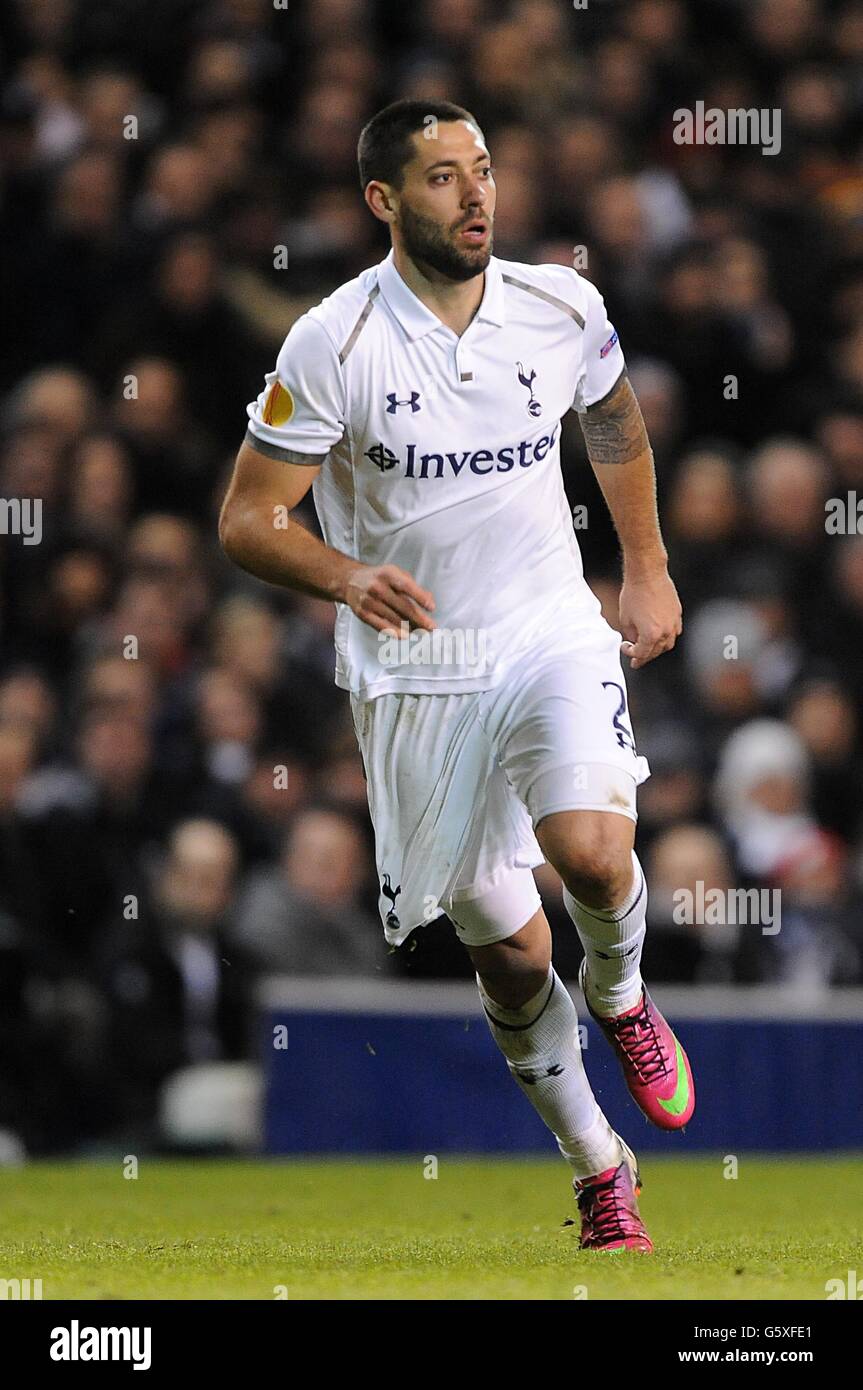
(621, 457)
(259, 532)
(630, 492)
(285, 554)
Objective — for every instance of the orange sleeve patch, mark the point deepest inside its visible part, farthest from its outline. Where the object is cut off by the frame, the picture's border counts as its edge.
(279, 405)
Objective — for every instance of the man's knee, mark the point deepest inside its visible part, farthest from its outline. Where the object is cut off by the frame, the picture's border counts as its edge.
(592, 855)
(600, 877)
(514, 970)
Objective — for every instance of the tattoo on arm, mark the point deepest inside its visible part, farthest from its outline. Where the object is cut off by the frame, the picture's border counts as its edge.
(613, 428)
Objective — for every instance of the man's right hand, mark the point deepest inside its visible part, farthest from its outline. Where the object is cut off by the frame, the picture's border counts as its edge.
(388, 599)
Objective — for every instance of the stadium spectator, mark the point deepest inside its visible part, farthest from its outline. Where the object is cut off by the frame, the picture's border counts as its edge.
(305, 916)
(178, 993)
(693, 946)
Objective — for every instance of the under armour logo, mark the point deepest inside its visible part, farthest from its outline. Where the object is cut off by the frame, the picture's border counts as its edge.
(533, 405)
(388, 891)
(530, 1078)
(382, 457)
(413, 401)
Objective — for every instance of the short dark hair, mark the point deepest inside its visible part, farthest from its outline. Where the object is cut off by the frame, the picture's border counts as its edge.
(384, 146)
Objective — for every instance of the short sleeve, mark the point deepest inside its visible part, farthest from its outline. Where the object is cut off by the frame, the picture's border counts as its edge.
(602, 357)
(301, 409)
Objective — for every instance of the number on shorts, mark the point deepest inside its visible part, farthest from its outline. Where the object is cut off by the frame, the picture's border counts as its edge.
(624, 735)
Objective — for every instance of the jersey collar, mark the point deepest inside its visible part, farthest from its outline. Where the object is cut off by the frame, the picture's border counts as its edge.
(417, 319)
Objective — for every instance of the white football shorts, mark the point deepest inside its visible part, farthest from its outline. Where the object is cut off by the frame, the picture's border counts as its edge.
(456, 782)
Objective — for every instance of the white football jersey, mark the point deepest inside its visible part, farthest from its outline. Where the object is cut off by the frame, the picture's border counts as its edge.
(441, 454)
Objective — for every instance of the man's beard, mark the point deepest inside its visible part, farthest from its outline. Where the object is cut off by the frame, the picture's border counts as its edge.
(426, 243)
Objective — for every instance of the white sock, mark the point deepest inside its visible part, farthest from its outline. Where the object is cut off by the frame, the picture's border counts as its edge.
(541, 1047)
(612, 939)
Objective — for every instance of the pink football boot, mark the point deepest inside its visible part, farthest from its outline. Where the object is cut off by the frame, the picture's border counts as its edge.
(656, 1068)
(608, 1204)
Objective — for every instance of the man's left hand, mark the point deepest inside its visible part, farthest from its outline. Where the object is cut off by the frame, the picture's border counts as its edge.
(651, 617)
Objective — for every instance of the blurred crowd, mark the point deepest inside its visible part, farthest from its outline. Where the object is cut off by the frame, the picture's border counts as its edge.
(182, 806)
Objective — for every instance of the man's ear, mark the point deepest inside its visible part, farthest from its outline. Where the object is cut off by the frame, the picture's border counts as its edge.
(382, 200)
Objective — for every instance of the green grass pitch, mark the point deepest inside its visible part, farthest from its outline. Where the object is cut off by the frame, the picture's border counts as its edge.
(482, 1229)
